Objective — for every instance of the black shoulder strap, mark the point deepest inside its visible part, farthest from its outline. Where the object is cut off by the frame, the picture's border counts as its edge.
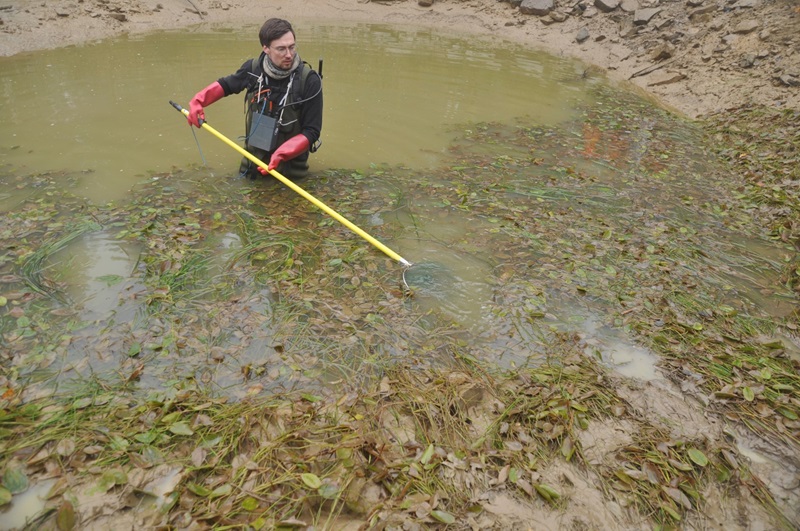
(305, 70)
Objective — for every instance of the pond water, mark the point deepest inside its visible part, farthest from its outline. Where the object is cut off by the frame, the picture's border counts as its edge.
(391, 96)
(533, 200)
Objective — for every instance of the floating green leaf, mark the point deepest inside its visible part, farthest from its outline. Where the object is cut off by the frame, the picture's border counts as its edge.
(147, 437)
(15, 479)
(110, 280)
(312, 481)
(118, 442)
(249, 504)
(181, 428)
(171, 417)
(135, 350)
(82, 403)
(199, 490)
(310, 398)
(222, 490)
(329, 491)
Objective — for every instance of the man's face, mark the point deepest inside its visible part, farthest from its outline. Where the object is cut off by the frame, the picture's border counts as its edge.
(281, 51)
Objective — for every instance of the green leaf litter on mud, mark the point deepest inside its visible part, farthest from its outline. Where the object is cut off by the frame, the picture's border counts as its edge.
(443, 517)
(427, 454)
(66, 519)
(697, 457)
(548, 493)
(110, 479)
(748, 394)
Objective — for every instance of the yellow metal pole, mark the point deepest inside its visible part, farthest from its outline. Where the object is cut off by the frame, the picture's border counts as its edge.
(325, 208)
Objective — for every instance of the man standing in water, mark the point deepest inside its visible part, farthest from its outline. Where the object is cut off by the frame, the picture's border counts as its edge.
(283, 103)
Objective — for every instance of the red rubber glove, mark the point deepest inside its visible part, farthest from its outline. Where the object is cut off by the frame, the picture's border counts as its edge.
(204, 98)
(287, 151)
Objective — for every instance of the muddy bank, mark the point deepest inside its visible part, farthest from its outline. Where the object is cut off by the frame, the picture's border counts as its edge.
(697, 57)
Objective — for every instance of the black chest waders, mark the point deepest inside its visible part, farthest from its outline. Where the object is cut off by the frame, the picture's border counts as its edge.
(271, 119)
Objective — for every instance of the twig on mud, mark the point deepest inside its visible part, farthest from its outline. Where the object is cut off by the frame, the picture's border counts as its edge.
(199, 13)
(650, 69)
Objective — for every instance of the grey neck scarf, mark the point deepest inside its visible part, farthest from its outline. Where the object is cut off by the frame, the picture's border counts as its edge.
(278, 73)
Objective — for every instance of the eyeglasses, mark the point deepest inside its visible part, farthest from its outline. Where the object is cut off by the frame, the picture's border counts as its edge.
(281, 50)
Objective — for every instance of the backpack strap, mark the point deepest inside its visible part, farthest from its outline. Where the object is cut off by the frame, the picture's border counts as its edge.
(301, 87)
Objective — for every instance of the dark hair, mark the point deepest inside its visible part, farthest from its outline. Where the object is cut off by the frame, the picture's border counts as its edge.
(274, 28)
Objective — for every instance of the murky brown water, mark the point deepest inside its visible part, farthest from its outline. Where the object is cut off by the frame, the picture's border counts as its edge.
(27, 505)
(391, 96)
